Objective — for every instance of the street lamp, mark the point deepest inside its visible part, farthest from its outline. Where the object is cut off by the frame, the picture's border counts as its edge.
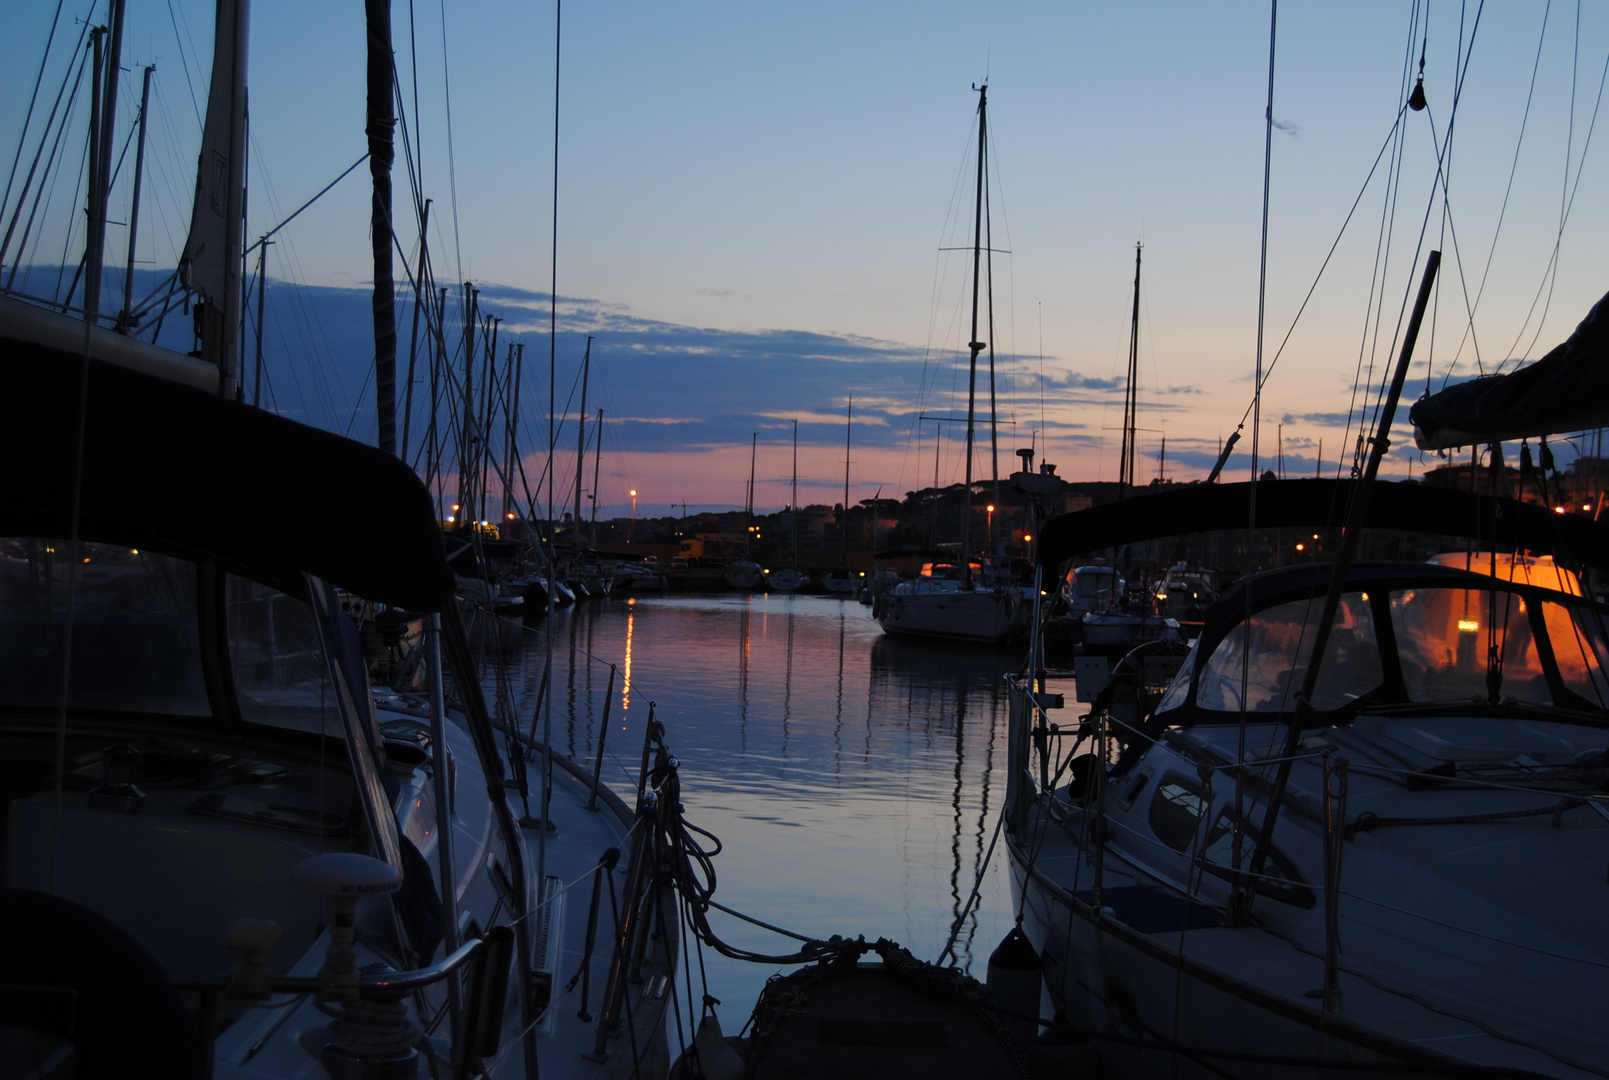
(632, 535)
(990, 508)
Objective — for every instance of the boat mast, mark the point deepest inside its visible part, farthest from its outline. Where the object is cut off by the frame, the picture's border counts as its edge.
(974, 345)
(597, 463)
(125, 317)
(581, 435)
(382, 153)
(466, 489)
(793, 517)
(511, 449)
(748, 509)
(104, 118)
(1125, 461)
(849, 429)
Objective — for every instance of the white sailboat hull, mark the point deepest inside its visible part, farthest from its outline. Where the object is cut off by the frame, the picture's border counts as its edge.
(787, 580)
(1107, 977)
(958, 614)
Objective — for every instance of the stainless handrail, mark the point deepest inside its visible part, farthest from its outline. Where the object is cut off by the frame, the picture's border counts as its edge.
(385, 981)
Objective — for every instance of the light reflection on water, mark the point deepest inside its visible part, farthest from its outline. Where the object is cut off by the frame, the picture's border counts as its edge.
(854, 779)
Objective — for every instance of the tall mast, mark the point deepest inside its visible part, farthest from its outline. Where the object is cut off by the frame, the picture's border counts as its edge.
(794, 498)
(101, 179)
(581, 434)
(754, 444)
(486, 460)
(1125, 461)
(94, 217)
(994, 426)
(465, 446)
(262, 288)
(134, 211)
(849, 429)
(516, 373)
(382, 153)
(975, 345)
(597, 463)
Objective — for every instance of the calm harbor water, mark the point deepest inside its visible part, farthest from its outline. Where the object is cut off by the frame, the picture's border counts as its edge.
(854, 779)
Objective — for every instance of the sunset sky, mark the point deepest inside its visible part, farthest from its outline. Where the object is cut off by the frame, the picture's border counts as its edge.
(753, 200)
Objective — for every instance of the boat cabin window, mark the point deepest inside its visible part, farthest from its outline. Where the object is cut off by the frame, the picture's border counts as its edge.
(1445, 637)
(277, 660)
(1580, 649)
(135, 639)
(1278, 880)
(1281, 647)
(1176, 811)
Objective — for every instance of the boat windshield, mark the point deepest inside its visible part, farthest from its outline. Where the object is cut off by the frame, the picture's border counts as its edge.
(1454, 645)
(1281, 644)
(1447, 640)
(136, 638)
(136, 644)
(277, 660)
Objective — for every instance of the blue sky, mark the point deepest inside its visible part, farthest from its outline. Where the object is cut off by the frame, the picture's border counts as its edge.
(752, 199)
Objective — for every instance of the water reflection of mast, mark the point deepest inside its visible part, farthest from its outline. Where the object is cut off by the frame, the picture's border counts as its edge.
(838, 722)
(787, 685)
(743, 680)
(592, 631)
(983, 806)
(955, 798)
(570, 692)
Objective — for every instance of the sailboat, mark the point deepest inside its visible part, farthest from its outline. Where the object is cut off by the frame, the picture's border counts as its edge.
(954, 603)
(1358, 826)
(743, 572)
(842, 581)
(224, 852)
(790, 578)
(1111, 622)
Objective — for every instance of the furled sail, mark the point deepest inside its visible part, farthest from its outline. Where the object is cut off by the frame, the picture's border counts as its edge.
(210, 264)
(1566, 390)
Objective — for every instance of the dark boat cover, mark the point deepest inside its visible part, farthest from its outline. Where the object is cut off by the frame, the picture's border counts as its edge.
(1566, 390)
(181, 471)
(1494, 523)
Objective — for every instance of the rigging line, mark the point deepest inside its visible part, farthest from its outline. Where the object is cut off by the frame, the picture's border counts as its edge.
(1256, 423)
(1513, 169)
(22, 137)
(1441, 158)
(419, 135)
(1579, 169)
(69, 78)
(1379, 272)
(1569, 146)
(1449, 228)
(1370, 343)
(452, 161)
(325, 191)
(184, 61)
(45, 185)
